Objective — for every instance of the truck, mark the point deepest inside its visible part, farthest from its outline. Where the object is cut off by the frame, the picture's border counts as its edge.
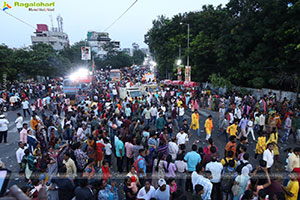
(115, 75)
(73, 89)
(149, 88)
(130, 92)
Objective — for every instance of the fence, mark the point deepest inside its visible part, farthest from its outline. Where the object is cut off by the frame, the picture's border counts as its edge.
(257, 93)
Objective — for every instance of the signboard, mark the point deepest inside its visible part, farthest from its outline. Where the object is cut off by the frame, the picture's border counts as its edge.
(85, 53)
(179, 73)
(149, 77)
(187, 73)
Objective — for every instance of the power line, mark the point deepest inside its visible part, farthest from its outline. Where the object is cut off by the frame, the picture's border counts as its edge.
(121, 15)
(20, 20)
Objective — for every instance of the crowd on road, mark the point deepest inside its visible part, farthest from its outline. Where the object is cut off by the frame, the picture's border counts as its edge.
(85, 150)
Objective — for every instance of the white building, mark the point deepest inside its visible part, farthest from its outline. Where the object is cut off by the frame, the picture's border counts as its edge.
(146, 51)
(56, 38)
(99, 40)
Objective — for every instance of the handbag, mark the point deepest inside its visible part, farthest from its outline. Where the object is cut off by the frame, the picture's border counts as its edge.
(235, 187)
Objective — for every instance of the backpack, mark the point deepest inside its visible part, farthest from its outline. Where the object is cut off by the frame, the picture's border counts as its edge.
(135, 164)
(240, 167)
(227, 180)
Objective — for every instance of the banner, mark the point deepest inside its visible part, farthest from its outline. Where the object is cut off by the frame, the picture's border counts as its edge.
(179, 75)
(187, 73)
(85, 53)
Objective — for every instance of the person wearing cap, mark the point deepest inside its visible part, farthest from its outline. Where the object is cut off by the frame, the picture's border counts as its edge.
(3, 128)
(182, 137)
(163, 190)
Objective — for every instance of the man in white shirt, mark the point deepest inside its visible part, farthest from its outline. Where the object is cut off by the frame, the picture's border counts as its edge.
(3, 128)
(114, 92)
(147, 114)
(19, 122)
(20, 153)
(294, 159)
(221, 114)
(173, 148)
(287, 129)
(182, 137)
(261, 121)
(250, 126)
(215, 168)
(181, 115)
(25, 106)
(153, 111)
(268, 155)
(70, 165)
(203, 179)
(142, 194)
(238, 113)
(163, 93)
(80, 133)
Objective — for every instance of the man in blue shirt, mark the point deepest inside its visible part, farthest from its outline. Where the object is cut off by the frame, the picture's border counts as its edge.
(141, 166)
(120, 152)
(163, 191)
(192, 158)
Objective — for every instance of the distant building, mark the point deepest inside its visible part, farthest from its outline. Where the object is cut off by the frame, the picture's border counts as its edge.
(145, 51)
(128, 51)
(98, 40)
(135, 46)
(116, 45)
(56, 38)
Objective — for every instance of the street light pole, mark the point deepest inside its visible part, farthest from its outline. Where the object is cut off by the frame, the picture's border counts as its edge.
(188, 45)
(86, 61)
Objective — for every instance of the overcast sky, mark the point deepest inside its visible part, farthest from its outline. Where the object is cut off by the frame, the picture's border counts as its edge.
(81, 16)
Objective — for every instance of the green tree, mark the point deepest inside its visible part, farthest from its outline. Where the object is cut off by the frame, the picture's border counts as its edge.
(253, 43)
(5, 62)
(138, 57)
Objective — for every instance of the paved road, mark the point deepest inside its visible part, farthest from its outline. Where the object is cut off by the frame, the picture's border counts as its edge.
(7, 151)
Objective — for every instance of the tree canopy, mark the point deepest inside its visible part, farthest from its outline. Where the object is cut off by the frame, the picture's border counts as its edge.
(253, 43)
(39, 59)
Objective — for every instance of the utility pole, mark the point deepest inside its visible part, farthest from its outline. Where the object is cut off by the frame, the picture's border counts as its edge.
(188, 45)
(179, 51)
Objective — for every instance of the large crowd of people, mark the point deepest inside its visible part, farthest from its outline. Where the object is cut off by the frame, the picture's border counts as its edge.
(108, 148)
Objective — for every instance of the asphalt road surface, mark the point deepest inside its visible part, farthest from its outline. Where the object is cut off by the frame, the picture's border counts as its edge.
(8, 156)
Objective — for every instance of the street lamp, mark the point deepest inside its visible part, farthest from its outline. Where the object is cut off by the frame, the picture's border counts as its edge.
(188, 44)
(179, 62)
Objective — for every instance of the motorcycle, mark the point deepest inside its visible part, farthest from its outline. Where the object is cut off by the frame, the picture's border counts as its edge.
(4, 107)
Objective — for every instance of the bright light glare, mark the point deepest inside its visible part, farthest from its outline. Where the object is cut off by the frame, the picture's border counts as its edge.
(152, 63)
(179, 62)
(81, 73)
(73, 76)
